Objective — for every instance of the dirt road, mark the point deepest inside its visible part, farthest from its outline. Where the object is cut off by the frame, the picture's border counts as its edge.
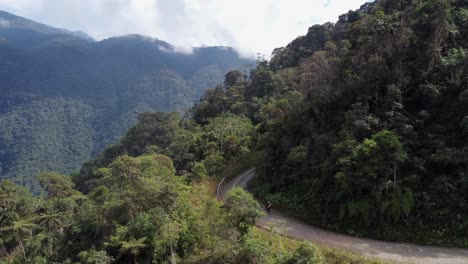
(399, 252)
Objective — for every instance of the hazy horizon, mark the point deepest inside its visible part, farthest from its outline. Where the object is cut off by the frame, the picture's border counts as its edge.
(250, 28)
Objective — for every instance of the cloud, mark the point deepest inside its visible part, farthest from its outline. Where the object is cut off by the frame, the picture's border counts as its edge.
(249, 26)
(4, 23)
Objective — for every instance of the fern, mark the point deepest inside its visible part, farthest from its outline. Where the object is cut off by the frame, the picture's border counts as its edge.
(407, 201)
(352, 209)
(363, 208)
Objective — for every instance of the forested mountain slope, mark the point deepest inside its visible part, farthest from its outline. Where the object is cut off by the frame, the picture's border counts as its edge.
(65, 98)
(142, 209)
(8, 20)
(358, 126)
(363, 123)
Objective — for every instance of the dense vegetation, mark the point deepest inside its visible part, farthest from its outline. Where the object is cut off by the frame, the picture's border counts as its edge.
(381, 141)
(131, 205)
(359, 126)
(65, 98)
(363, 123)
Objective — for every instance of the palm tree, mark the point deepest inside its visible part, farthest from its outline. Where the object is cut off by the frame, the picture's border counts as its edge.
(133, 246)
(52, 223)
(52, 230)
(20, 230)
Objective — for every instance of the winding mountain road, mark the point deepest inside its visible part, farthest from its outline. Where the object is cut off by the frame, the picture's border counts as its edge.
(397, 252)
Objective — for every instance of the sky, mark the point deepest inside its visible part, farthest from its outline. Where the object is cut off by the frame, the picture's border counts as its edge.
(249, 26)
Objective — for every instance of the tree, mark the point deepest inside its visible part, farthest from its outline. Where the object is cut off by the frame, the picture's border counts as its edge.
(243, 210)
(130, 247)
(252, 251)
(93, 256)
(126, 168)
(233, 78)
(17, 219)
(20, 231)
(152, 129)
(261, 83)
(391, 150)
(56, 185)
(307, 254)
(199, 172)
(229, 125)
(211, 104)
(184, 149)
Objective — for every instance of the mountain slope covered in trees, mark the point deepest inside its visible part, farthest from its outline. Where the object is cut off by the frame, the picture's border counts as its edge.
(363, 123)
(8, 20)
(64, 98)
(136, 205)
(358, 126)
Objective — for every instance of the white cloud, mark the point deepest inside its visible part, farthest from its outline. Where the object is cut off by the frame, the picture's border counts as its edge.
(249, 26)
(4, 23)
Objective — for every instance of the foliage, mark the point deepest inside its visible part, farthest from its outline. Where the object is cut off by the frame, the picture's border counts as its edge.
(243, 210)
(94, 257)
(65, 98)
(378, 142)
(307, 254)
(361, 126)
(363, 123)
(145, 214)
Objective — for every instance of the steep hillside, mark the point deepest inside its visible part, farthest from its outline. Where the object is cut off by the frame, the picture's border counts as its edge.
(363, 123)
(65, 98)
(358, 126)
(141, 211)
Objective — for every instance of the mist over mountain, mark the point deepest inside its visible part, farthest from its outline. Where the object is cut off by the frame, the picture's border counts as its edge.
(66, 96)
(358, 127)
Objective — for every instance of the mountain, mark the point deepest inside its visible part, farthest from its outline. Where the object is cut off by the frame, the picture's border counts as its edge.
(360, 126)
(64, 98)
(8, 20)
(363, 123)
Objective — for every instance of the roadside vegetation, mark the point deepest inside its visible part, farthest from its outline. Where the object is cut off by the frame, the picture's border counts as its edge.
(359, 126)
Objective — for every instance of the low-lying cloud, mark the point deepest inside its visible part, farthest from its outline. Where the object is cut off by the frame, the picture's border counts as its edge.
(4, 23)
(249, 26)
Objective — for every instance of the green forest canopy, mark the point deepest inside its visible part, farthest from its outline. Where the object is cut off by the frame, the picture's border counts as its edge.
(363, 123)
(64, 99)
(360, 126)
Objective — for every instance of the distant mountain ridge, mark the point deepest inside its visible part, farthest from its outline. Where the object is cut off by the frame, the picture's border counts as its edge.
(64, 97)
(8, 20)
